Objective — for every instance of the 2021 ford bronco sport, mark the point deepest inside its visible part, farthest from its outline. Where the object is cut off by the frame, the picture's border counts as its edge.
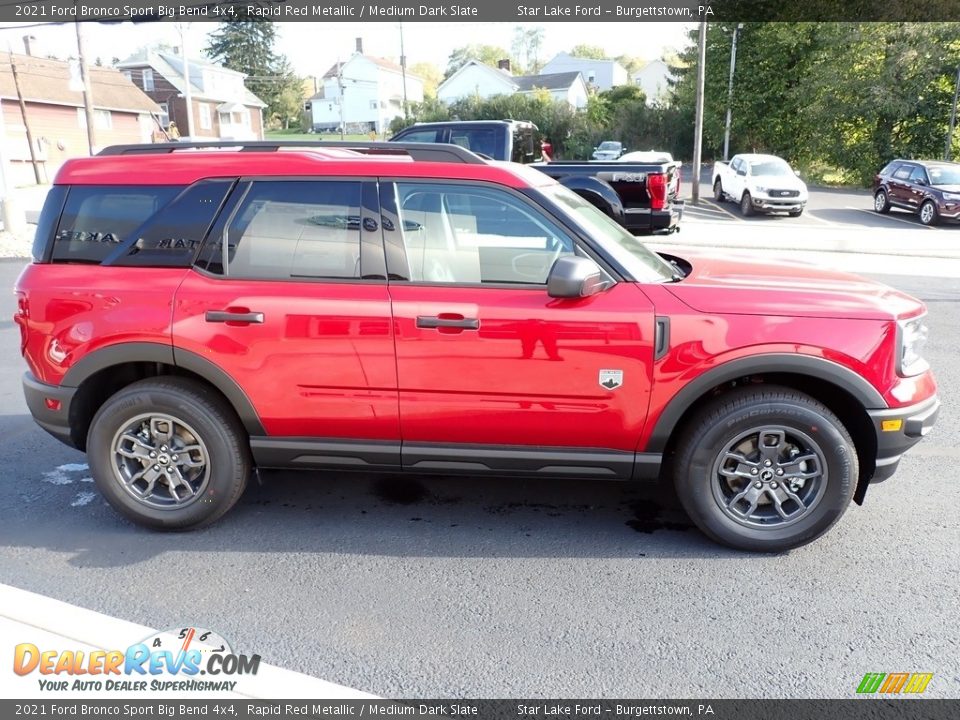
(192, 313)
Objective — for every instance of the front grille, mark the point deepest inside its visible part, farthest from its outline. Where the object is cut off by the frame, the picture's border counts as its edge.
(784, 193)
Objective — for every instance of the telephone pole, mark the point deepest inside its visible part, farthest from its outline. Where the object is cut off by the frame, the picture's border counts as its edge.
(698, 122)
(948, 149)
(26, 123)
(340, 86)
(733, 65)
(403, 70)
(87, 91)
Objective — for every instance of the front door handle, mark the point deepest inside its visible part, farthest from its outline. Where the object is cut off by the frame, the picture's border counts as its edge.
(458, 322)
(226, 316)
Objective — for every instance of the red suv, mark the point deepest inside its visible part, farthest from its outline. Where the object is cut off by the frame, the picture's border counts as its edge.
(193, 313)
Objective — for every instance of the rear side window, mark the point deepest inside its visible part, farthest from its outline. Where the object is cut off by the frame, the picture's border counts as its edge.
(888, 170)
(47, 223)
(292, 230)
(484, 141)
(96, 219)
(903, 172)
(424, 136)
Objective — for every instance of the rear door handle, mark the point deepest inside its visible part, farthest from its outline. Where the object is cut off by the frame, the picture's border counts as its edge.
(217, 316)
(459, 322)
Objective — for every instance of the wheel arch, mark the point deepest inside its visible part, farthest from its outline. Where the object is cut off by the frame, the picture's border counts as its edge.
(598, 193)
(102, 373)
(841, 390)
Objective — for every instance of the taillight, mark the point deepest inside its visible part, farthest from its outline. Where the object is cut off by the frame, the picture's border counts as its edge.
(657, 187)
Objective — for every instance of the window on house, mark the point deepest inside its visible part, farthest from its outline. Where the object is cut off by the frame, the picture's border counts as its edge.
(147, 79)
(102, 119)
(164, 114)
(374, 105)
(591, 77)
(224, 119)
(128, 75)
(206, 122)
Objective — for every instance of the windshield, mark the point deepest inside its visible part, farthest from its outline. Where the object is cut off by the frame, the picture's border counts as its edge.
(609, 145)
(943, 175)
(642, 263)
(770, 167)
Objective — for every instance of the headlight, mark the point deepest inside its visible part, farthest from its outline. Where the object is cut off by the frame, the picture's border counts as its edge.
(913, 336)
(759, 188)
(951, 196)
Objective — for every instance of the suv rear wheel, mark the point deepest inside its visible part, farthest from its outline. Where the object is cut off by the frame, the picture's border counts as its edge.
(168, 453)
(881, 203)
(765, 469)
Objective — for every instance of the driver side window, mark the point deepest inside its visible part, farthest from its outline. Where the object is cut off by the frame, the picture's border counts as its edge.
(469, 235)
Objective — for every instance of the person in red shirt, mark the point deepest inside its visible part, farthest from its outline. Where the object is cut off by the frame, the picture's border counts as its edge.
(546, 149)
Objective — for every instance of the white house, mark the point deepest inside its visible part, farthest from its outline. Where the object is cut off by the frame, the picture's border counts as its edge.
(600, 74)
(371, 96)
(654, 79)
(476, 79)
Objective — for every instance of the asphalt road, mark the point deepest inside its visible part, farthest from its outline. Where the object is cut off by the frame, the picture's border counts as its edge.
(478, 588)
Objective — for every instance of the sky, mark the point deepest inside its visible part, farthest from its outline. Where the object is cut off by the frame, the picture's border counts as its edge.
(313, 47)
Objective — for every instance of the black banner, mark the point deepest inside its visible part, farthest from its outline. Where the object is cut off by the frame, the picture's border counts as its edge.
(861, 709)
(486, 11)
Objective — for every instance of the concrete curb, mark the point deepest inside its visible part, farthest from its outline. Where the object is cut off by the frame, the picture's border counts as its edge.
(54, 625)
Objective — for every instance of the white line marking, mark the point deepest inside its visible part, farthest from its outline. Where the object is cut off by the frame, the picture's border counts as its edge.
(891, 217)
(810, 215)
(723, 209)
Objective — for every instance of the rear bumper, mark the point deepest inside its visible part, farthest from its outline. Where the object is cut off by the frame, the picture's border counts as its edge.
(50, 407)
(915, 421)
(642, 221)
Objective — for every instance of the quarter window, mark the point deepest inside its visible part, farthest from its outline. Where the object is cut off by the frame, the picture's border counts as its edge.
(96, 219)
(903, 172)
(454, 234)
(293, 230)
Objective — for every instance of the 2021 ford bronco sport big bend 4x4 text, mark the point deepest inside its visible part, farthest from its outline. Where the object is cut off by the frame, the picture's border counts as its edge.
(190, 314)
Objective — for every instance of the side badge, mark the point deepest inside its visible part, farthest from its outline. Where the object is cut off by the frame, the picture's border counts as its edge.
(611, 379)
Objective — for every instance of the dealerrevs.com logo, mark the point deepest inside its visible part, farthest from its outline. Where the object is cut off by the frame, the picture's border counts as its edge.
(169, 661)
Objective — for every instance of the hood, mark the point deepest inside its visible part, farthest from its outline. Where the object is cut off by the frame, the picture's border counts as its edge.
(948, 188)
(781, 182)
(606, 154)
(742, 285)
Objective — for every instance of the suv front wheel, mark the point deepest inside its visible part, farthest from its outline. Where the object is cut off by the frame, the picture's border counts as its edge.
(765, 469)
(168, 453)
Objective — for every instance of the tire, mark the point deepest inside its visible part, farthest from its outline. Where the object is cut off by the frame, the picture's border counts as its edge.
(929, 215)
(795, 213)
(194, 436)
(881, 203)
(746, 205)
(720, 459)
(718, 193)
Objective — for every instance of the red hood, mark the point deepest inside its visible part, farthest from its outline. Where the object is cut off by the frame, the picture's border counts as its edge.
(741, 285)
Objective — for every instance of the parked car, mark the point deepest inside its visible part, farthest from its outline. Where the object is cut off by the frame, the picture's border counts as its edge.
(515, 140)
(608, 150)
(931, 189)
(760, 184)
(622, 191)
(644, 197)
(648, 156)
(194, 312)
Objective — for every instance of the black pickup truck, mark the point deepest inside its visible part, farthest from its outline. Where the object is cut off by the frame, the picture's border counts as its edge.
(641, 196)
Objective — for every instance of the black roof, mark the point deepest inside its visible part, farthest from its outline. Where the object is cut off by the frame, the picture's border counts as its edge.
(551, 81)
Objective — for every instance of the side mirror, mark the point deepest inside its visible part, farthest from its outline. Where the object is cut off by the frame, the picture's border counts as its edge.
(921, 181)
(573, 276)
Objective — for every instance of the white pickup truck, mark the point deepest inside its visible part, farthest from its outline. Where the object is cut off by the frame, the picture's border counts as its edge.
(760, 184)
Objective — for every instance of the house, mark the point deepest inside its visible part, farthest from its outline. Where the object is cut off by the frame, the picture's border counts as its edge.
(53, 97)
(598, 74)
(223, 108)
(475, 79)
(654, 79)
(364, 93)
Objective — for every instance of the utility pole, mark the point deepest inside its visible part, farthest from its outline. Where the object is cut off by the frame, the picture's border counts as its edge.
(733, 64)
(87, 90)
(26, 123)
(340, 85)
(948, 148)
(183, 28)
(403, 70)
(698, 122)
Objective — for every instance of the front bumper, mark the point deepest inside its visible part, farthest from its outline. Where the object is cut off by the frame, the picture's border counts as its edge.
(50, 407)
(778, 204)
(898, 430)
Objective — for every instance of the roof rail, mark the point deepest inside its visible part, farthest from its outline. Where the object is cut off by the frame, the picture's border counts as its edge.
(420, 152)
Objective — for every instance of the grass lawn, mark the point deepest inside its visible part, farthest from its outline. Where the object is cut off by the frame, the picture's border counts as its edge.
(284, 135)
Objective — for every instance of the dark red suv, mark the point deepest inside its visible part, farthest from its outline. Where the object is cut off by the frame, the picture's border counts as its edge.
(192, 313)
(931, 189)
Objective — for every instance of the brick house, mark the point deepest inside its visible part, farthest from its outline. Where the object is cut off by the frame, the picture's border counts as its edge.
(54, 103)
(223, 108)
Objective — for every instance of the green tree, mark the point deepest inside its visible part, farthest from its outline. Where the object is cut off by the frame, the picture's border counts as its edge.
(487, 54)
(247, 45)
(431, 76)
(527, 43)
(591, 52)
